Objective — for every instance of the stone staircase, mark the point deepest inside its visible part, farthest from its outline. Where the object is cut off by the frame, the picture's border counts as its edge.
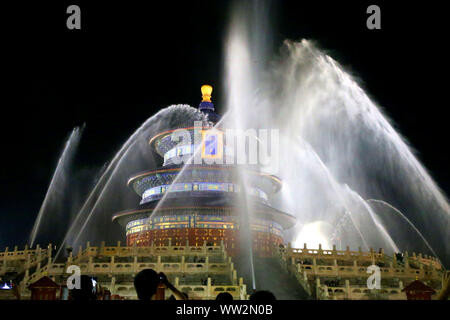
(269, 275)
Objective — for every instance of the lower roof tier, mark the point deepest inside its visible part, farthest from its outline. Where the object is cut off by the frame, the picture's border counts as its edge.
(220, 205)
(199, 220)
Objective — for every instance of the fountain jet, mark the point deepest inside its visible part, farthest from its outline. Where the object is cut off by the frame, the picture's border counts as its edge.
(58, 182)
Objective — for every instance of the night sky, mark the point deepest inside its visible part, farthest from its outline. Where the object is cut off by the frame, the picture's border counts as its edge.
(131, 59)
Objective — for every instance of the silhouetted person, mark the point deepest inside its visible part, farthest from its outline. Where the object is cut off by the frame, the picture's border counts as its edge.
(86, 291)
(262, 296)
(224, 296)
(146, 282)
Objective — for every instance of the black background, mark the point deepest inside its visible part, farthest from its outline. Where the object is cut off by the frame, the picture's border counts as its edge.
(131, 59)
(280, 309)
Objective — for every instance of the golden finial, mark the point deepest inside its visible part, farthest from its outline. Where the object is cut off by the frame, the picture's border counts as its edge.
(206, 93)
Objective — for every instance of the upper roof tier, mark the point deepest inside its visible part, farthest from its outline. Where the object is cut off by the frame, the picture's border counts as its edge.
(164, 142)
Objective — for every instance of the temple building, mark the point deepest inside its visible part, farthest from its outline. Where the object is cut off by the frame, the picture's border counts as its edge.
(195, 201)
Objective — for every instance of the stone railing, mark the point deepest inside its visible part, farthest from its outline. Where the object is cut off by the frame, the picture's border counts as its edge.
(292, 269)
(369, 256)
(425, 260)
(302, 278)
(116, 268)
(133, 268)
(35, 255)
(210, 292)
(359, 271)
(169, 267)
(360, 293)
(120, 251)
(194, 292)
(332, 254)
(20, 260)
(25, 254)
(53, 269)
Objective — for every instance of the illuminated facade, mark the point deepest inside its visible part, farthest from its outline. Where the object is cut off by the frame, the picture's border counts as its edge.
(193, 199)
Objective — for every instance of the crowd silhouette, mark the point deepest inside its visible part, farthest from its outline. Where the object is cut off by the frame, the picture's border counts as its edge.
(150, 285)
